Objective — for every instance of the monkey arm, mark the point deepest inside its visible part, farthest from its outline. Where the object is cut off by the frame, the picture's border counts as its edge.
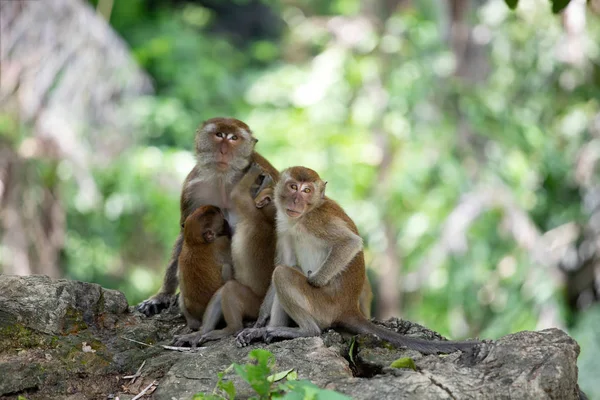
(342, 252)
(241, 196)
(265, 308)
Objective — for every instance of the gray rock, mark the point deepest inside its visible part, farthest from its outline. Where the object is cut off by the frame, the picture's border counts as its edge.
(67, 339)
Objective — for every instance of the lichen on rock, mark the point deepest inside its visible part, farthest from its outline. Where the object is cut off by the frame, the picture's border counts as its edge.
(68, 339)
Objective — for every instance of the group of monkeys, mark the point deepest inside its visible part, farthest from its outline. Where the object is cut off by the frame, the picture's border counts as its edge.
(268, 246)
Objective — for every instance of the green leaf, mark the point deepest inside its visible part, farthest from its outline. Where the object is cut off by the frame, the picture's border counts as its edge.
(228, 388)
(559, 5)
(292, 376)
(405, 362)
(351, 351)
(279, 376)
(199, 396)
(512, 4)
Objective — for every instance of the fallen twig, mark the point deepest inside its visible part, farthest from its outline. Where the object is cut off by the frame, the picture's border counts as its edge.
(136, 341)
(143, 392)
(136, 375)
(176, 348)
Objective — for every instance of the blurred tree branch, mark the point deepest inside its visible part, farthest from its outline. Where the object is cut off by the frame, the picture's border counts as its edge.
(62, 68)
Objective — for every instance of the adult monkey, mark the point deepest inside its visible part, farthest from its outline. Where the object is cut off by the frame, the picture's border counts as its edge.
(224, 149)
(321, 281)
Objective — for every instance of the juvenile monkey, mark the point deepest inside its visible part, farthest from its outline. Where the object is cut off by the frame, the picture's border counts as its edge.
(205, 257)
(322, 275)
(253, 253)
(224, 149)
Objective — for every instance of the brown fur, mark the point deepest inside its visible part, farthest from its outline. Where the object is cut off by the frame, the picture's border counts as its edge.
(206, 249)
(325, 291)
(253, 253)
(209, 183)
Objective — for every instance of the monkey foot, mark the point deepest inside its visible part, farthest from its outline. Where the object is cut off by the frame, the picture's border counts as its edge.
(154, 305)
(193, 339)
(249, 335)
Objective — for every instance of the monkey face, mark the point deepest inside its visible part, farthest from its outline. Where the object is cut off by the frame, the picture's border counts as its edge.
(206, 224)
(225, 143)
(299, 190)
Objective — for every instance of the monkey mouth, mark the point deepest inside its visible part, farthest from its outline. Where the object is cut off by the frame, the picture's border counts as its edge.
(222, 165)
(293, 213)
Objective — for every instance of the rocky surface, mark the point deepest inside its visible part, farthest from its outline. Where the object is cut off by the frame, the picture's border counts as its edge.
(63, 339)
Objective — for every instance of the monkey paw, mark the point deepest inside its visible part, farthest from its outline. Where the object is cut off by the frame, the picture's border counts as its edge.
(193, 339)
(249, 335)
(154, 305)
(316, 282)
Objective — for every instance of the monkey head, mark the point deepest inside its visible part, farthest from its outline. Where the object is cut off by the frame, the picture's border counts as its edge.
(298, 191)
(205, 224)
(224, 144)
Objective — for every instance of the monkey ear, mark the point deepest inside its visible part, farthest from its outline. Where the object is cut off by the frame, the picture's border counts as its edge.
(323, 190)
(182, 225)
(209, 236)
(255, 140)
(264, 198)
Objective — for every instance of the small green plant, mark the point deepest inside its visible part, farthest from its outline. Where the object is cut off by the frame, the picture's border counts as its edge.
(405, 362)
(259, 377)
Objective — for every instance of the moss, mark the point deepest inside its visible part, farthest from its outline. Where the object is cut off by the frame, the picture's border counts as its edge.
(18, 336)
(73, 322)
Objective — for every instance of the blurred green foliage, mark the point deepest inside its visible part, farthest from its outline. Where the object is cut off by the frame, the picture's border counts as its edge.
(319, 99)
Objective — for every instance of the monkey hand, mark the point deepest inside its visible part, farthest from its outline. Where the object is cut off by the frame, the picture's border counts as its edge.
(155, 304)
(249, 335)
(316, 280)
(256, 169)
(193, 339)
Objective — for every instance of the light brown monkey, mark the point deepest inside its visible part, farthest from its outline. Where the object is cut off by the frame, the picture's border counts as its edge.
(322, 277)
(253, 253)
(204, 261)
(224, 149)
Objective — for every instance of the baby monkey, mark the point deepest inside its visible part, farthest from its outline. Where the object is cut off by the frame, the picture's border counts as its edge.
(253, 254)
(204, 262)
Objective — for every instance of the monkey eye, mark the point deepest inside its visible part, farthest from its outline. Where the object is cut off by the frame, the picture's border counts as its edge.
(294, 186)
(220, 134)
(234, 137)
(306, 190)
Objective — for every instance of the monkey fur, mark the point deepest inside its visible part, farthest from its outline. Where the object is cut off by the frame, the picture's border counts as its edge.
(320, 275)
(205, 257)
(224, 149)
(253, 253)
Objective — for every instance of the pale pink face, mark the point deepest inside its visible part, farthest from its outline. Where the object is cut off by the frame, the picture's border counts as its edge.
(299, 195)
(226, 144)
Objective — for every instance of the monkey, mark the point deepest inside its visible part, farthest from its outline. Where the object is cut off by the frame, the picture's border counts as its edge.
(320, 277)
(224, 149)
(204, 261)
(253, 254)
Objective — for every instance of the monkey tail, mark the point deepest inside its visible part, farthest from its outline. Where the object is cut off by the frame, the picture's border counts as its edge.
(360, 325)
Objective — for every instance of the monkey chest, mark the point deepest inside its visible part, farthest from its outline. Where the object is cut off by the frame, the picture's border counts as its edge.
(310, 253)
(203, 193)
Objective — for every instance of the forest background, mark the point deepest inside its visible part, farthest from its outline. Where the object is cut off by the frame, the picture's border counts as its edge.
(463, 138)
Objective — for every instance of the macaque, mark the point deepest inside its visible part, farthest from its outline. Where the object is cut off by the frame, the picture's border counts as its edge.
(253, 253)
(204, 262)
(321, 275)
(224, 150)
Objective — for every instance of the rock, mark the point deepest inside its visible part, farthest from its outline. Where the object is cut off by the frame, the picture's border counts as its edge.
(66, 339)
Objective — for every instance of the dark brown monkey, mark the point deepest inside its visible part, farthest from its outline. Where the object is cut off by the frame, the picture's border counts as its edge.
(316, 235)
(224, 149)
(253, 253)
(205, 257)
